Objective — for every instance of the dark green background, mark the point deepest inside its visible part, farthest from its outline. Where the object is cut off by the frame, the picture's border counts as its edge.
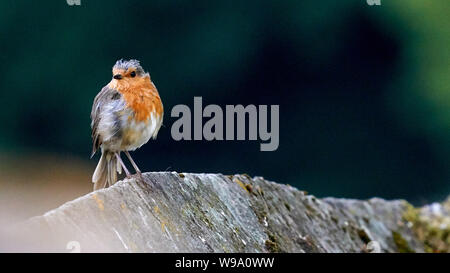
(363, 90)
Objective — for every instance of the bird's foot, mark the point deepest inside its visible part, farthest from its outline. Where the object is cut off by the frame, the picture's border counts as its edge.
(139, 175)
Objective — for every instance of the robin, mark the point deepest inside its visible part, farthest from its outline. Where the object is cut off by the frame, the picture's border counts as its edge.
(125, 115)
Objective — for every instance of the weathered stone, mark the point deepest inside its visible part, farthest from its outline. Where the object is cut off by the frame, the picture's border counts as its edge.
(172, 212)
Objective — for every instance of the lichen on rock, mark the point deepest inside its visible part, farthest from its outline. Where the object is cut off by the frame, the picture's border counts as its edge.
(431, 224)
(185, 212)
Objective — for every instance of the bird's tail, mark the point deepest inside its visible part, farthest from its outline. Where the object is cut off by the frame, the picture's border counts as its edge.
(106, 171)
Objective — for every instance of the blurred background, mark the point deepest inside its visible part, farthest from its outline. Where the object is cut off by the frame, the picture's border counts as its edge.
(363, 92)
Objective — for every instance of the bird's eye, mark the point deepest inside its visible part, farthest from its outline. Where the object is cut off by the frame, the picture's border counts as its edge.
(133, 74)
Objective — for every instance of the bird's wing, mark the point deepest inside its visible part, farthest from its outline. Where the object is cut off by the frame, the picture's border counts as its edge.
(105, 96)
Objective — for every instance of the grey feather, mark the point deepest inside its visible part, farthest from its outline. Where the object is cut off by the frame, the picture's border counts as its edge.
(127, 64)
(106, 171)
(105, 96)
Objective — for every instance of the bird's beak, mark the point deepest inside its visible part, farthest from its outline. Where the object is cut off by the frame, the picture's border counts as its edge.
(117, 76)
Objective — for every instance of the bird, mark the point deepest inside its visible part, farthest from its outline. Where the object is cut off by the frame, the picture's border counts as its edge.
(125, 114)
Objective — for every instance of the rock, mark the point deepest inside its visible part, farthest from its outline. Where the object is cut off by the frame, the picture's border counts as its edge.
(174, 212)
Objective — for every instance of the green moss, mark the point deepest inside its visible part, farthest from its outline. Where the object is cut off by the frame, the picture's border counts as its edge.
(272, 245)
(287, 206)
(432, 231)
(401, 243)
(242, 185)
(261, 213)
(201, 215)
(334, 219)
(411, 214)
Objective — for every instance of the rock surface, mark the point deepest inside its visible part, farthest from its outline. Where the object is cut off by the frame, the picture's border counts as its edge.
(175, 212)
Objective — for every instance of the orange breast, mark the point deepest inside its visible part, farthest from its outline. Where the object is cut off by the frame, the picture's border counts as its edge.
(140, 95)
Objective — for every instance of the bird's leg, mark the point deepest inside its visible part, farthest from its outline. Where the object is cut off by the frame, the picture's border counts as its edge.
(123, 165)
(132, 163)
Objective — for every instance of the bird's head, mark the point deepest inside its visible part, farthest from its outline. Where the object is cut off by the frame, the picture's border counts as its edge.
(128, 69)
